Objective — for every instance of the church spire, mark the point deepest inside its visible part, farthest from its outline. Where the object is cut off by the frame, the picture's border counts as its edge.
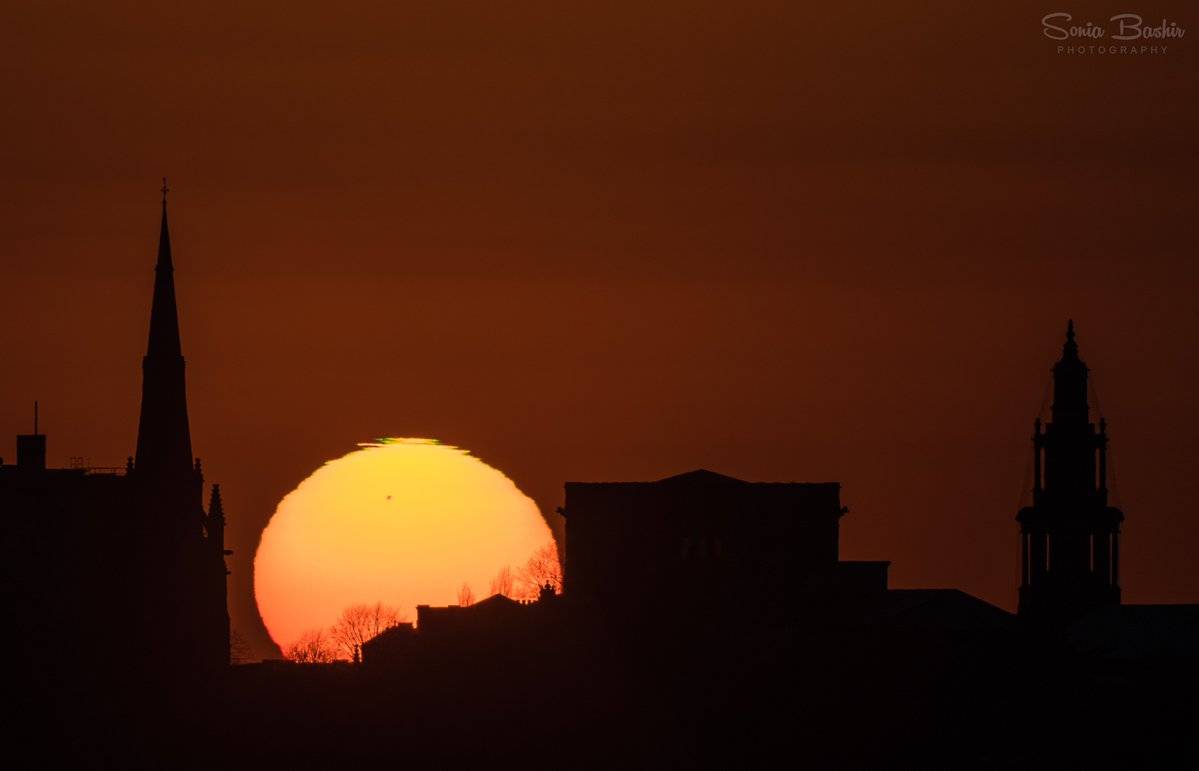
(164, 316)
(163, 436)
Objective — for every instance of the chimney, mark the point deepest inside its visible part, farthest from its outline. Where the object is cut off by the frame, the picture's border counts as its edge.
(31, 448)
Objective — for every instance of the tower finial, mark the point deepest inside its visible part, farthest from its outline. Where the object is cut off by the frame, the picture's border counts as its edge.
(1070, 347)
(164, 191)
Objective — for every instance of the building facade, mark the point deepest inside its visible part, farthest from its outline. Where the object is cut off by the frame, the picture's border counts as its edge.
(703, 545)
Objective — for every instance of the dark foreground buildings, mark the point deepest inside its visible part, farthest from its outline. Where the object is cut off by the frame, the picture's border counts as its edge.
(706, 622)
(1070, 538)
(115, 570)
(702, 544)
(709, 622)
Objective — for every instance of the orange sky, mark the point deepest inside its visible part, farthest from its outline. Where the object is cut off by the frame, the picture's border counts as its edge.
(609, 241)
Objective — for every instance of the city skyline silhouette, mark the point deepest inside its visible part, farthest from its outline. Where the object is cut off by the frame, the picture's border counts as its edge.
(849, 349)
(871, 542)
(716, 588)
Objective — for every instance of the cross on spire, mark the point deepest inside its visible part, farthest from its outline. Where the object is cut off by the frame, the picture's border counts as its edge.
(164, 190)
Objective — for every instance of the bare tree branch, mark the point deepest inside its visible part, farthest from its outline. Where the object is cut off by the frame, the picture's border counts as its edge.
(502, 583)
(312, 647)
(359, 623)
(543, 568)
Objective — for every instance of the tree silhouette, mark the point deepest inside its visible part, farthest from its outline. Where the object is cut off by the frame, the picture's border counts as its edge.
(465, 596)
(502, 582)
(312, 647)
(543, 568)
(359, 623)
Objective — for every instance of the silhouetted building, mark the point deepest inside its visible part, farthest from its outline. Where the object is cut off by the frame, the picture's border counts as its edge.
(486, 619)
(390, 647)
(941, 612)
(120, 564)
(1137, 632)
(1070, 536)
(702, 545)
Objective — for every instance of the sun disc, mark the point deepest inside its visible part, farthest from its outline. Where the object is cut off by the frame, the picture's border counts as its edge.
(400, 521)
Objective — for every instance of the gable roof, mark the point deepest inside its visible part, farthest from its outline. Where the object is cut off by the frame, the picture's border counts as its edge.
(701, 476)
(496, 600)
(948, 609)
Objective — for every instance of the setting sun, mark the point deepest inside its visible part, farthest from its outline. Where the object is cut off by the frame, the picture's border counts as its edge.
(401, 521)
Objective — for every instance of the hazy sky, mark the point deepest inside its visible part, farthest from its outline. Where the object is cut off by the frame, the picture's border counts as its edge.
(606, 241)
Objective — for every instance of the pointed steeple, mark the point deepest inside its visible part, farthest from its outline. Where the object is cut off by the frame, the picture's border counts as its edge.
(216, 510)
(215, 576)
(214, 525)
(164, 315)
(163, 436)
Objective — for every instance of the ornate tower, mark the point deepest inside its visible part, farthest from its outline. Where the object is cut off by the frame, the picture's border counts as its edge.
(1069, 537)
(180, 548)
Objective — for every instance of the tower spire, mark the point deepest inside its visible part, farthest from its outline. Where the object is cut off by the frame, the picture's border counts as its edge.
(1070, 347)
(216, 509)
(1070, 382)
(163, 436)
(164, 315)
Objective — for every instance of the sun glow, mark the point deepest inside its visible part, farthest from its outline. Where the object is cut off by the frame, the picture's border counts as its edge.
(400, 521)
